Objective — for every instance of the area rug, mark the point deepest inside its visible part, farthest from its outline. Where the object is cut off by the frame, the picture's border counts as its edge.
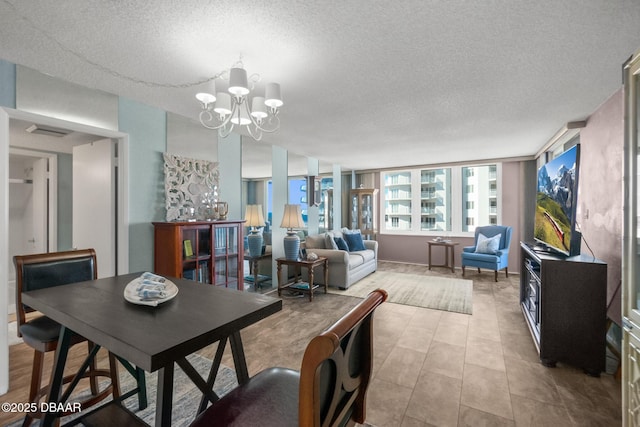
(440, 293)
(186, 396)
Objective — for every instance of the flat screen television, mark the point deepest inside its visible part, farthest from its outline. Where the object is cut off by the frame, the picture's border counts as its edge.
(556, 198)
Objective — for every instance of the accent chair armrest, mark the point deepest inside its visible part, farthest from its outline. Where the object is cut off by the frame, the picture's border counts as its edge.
(469, 249)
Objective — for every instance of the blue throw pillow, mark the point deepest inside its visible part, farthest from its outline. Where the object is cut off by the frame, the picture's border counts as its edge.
(354, 241)
(488, 245)
(342, 245)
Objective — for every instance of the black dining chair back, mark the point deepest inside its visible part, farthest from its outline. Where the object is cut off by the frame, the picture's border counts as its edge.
(46, 270)
(329, 390)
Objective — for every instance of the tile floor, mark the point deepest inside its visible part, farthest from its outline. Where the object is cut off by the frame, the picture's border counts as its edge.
(437, 368)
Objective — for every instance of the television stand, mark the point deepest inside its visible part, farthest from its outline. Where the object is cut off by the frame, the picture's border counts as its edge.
(564, 303)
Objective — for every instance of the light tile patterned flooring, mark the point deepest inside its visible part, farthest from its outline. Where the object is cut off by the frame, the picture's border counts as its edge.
(437, 368)
(431, 368)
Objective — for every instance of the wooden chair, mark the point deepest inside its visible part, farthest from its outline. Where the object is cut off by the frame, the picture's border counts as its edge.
(46, 270)
(329, 390)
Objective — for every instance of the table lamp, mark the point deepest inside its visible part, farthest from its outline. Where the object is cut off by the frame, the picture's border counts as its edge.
(291, 219)
(254, 218)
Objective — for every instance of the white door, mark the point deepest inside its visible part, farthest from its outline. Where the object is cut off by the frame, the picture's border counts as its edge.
(94, 202)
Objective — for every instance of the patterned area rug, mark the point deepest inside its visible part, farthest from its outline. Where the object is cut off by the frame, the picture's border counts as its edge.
(186, 397)
(440, 293)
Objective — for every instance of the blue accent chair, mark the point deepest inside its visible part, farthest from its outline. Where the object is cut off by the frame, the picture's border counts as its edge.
(496, 261)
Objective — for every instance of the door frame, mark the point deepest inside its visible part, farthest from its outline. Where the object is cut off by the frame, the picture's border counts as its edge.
(122, 231)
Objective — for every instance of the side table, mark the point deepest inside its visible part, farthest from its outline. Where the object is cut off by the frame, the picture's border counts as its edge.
(449, 247)
(253, 265)
(297, 284)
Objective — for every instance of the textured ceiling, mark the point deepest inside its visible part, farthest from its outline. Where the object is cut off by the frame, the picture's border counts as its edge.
(366, 84)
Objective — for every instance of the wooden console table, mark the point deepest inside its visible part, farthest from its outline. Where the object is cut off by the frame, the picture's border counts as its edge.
(448, 249)
(297, 284)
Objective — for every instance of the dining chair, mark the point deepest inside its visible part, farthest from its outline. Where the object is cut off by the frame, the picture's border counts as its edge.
(329, 390)
(39, 271)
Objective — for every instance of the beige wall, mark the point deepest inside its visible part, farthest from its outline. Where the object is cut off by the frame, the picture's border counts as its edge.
(600, 192)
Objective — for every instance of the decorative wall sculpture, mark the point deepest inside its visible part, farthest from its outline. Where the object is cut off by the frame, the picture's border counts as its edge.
(191, 187)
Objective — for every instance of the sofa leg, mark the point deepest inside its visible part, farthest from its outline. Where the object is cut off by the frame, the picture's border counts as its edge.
(478, 270)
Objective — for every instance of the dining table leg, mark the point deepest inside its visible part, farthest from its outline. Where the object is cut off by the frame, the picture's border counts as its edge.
(57, 376)
(164, 400)
(237, 350)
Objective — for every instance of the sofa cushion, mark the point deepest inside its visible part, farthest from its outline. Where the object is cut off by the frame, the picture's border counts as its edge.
(342, 245)
(315, 241)
(367, 254)
(354, 241)
(355, 260)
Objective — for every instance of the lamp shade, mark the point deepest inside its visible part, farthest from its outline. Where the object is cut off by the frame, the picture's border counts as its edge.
(207, 96)
(292, 217)
(238, 83)
(223, 104)
(258, 108)
(272, 96)
(253, 216)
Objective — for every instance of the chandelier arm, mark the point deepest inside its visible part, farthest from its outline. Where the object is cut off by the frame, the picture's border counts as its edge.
(210, 119)
(263, 129)
(224, 132)
(259, 133)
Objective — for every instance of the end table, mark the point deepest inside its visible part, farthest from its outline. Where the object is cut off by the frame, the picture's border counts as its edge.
(449, 247)
(297, 284)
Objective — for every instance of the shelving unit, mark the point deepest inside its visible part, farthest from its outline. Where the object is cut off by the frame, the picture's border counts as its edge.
(362, 211)
(564, 303)
(204, 251)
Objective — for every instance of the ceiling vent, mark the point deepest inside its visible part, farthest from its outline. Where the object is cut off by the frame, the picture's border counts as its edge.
(48, 130)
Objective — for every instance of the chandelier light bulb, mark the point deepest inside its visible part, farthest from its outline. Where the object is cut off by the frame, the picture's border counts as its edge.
(272, 96)
(205, 98)
(238, 83)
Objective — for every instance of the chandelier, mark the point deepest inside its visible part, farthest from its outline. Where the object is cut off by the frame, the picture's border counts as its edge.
(225, 110)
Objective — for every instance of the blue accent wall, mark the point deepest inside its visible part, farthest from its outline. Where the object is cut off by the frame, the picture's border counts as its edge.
(65, 201)
(7, 84)
(147, 129)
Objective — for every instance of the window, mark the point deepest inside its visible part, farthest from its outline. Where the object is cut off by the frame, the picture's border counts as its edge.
(481, 188)
(432, 201)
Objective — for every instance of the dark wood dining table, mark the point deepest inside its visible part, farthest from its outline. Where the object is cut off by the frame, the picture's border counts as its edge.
(153, 338)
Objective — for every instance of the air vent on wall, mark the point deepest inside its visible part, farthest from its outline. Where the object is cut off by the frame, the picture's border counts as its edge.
(48, 130)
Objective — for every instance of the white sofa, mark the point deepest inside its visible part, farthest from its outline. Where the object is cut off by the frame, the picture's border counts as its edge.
(345, 268)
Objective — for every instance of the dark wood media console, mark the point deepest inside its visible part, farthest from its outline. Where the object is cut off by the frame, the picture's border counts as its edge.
(564, 302)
